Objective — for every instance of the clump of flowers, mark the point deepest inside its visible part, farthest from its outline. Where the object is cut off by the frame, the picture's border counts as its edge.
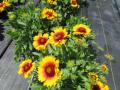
(57, 45)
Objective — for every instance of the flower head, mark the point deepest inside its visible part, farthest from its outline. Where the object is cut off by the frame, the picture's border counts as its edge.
(26, 67)
(74, 3)
(109, 57)
(49, 13)
(104, 68)
(40, 41)
(99, 86)
(58, 37)
(3, 5)
(48, 71)
(53, 2)
(81, 29)
(93, 76)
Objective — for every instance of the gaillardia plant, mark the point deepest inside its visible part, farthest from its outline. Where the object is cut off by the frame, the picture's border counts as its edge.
(56, 47)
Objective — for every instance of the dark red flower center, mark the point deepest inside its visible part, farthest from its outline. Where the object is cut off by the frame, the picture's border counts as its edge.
(49, 70)
(74, 2)
(1, 5)
(42, 41)
(81, 29)
(26, 67)
(49, 14)
(96, 87)
(58, 36)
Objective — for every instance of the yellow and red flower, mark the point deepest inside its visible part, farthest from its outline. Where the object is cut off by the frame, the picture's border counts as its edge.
(81, 29)
(26, 67)
(49, 13)
(99, 86)
(3, 5)
(58, 37)
(40, 41)
(74, 3)
(93, 76)
(104, 68)
(48, 71)
(53, 2)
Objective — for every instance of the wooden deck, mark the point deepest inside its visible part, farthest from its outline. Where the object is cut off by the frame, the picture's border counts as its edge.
(104, 15)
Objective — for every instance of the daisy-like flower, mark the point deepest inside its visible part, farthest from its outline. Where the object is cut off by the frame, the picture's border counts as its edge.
(48, 71)
(3, 5)
(49, 13)
(58, 37)
(74, 3)
(109, 57)
(81, 29)
(104, 68)
(40, 41)
(93, 76)
(26, 67)
(99, 86)
(53, 2)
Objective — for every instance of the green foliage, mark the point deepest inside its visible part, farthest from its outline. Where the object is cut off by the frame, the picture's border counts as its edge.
(16, 1)
(77, 57)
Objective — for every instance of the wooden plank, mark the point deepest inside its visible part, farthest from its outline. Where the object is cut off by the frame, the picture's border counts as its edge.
(9, 79)
(95, 18)
(112, 32)
(4, 40)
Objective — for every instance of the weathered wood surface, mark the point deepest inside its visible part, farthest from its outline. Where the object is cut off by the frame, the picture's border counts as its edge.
(9, 79)
(117, 2)
(4, 40)
(106, 23)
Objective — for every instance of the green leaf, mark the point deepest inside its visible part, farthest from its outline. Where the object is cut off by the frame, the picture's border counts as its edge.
(37, 87)
(87, 85)
(79, 87)
(66, 1)
(13, 1)
(73, 77)
(65, 73)
(36, 53)
(70, 63)
(21, 23)
(50, 49)
(22, 1)
(30, 46)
